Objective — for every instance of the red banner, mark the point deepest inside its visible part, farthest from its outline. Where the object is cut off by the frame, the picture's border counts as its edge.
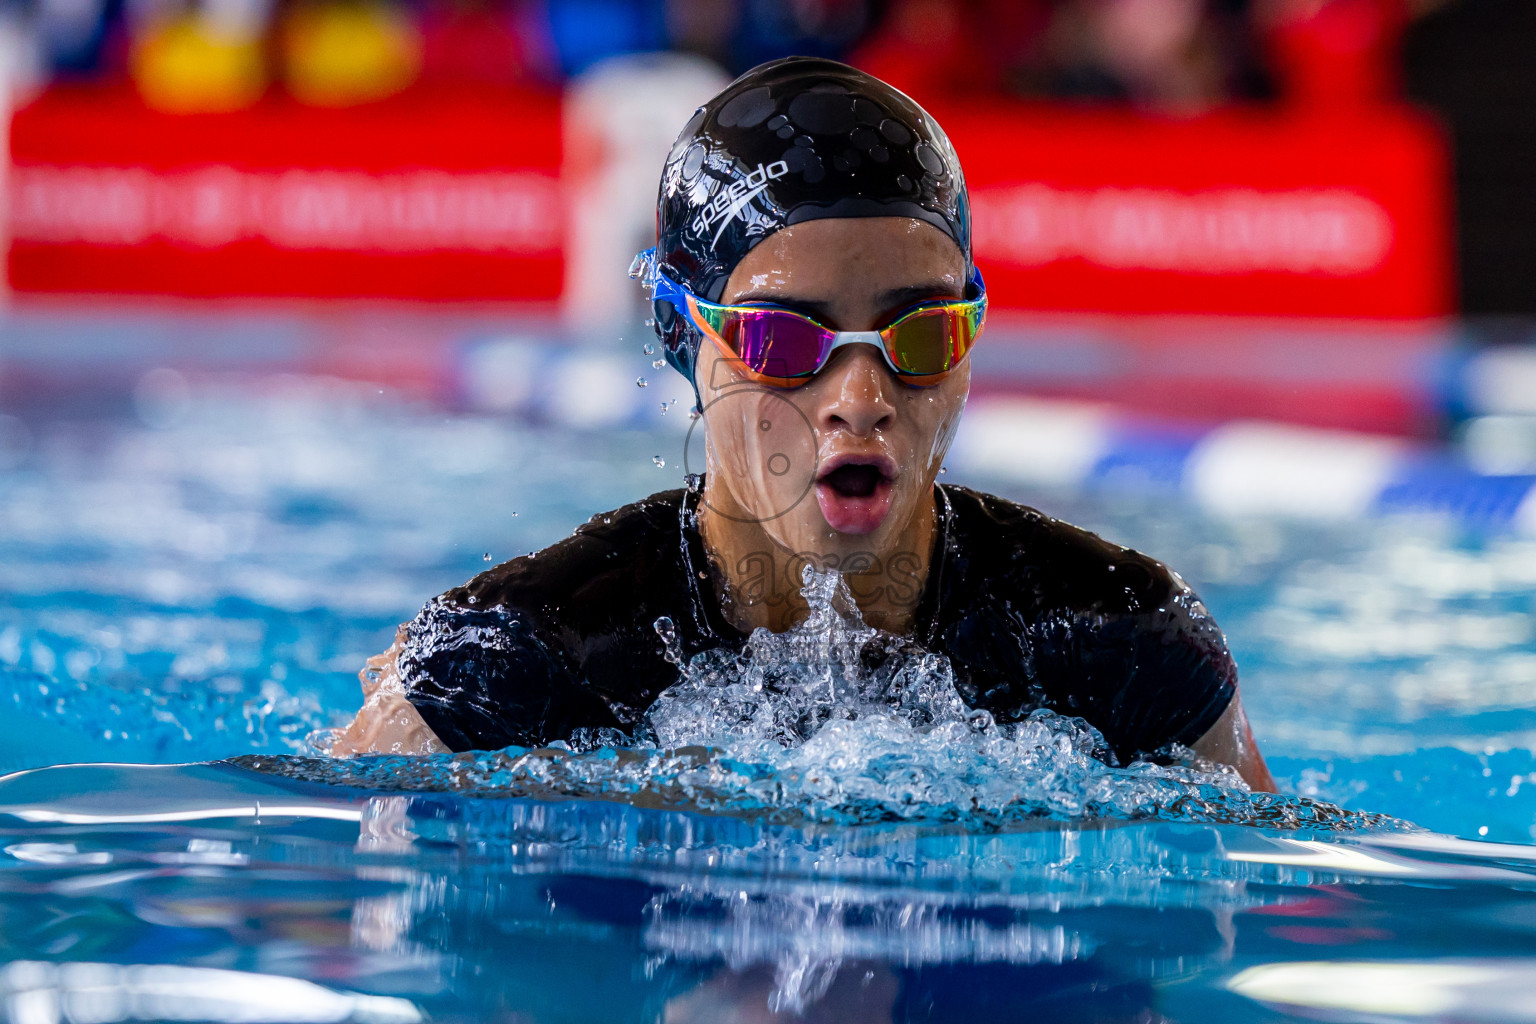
(1247, 214)
(418, 198)
(459, 197)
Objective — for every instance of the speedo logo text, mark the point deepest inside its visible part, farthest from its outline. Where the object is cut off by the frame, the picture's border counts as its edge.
(728, 203)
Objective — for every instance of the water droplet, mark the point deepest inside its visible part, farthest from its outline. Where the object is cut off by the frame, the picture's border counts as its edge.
(658, 364)
(486, 557)
(667, 630)
(693, 415)
(661, 463)
(650, 322)
(514, 515)
(692, 481)
(641, 382)
(943, 470)
(648, 349)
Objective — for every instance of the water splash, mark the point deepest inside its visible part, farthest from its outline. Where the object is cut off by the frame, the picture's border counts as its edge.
(835, 722)
(786, 689)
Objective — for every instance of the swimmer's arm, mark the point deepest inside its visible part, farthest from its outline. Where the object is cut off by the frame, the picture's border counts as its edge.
(1230, 741)
(386, 723)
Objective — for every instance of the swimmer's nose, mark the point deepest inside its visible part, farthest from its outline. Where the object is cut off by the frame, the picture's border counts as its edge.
(856, 392)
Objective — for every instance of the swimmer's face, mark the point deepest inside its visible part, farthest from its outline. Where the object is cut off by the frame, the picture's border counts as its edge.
(839, 467)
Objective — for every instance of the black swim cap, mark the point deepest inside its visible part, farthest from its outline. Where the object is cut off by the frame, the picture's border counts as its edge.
(794, 140)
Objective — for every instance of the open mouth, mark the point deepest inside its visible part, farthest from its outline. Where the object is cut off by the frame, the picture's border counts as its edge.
(854, 480)
(854, 491)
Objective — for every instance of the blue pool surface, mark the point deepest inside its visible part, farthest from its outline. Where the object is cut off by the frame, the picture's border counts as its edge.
(196, 573)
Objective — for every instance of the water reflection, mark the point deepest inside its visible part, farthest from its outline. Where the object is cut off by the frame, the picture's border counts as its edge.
(1414, 989)
(723, 919)
(476, 909)
(93, 993)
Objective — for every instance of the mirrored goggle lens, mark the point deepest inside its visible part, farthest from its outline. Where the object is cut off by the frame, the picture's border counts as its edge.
(931, 341)
(776, 343)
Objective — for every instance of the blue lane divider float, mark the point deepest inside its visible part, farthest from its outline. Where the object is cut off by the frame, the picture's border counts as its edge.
(1236, 468)
(1241, 467)
(572, 386)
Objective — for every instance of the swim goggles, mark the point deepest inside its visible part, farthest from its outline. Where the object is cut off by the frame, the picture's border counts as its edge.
(785, 348)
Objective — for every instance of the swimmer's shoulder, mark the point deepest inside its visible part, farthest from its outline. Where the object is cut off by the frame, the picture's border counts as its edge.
(606, 559)
(555, 640)
(1041, 613)
(1020, 553)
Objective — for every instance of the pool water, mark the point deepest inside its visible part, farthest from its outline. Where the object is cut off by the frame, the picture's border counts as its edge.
(196, 575)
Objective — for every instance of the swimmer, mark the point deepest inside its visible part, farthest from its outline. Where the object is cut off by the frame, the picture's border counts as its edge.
(813, 279)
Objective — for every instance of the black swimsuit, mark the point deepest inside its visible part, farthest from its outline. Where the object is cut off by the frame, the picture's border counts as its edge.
(1031, 612)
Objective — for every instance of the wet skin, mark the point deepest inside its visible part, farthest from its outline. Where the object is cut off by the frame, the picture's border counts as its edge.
(839, 472)
(758, 521)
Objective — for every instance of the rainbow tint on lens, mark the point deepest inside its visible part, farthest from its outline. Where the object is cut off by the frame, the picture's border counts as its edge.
(783, 347)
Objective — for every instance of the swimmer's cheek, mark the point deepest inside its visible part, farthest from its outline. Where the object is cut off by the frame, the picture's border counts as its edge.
(381, 667)
(1230, 741)
(387, 724)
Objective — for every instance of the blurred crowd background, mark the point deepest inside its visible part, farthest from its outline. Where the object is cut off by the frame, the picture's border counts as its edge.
(1320, 212)
(1468, 60)
(1182, 56)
